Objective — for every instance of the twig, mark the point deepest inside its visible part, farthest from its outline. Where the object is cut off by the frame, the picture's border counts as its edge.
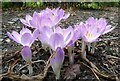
(114, 57)
(91, 70)
(32, 63)
(97, 71)
(39, 77)
(108, 39)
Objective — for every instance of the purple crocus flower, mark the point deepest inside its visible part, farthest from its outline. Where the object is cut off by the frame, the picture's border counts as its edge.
(56, 62)
(76, 32)
(100, 23)
(89, 33)
(57, 38)
(61, 37)
(38, 20)
(45, 34)
(55, 15)
(93, 28)
(25, 38)
(67, 34)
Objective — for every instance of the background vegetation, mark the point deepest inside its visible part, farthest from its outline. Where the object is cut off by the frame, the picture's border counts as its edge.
(93, 5)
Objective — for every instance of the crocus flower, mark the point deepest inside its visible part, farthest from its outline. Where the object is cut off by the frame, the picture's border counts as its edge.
(56, 62)
(92, 29)
(57, 38)
(89, 33)
(38, 20)
(67, 34)
(45, 34)
(55, 15)
(100, 23)
(25, 38)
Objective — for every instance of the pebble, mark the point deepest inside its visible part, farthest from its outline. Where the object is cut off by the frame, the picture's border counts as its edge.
(1, 40)
(24, 71)
(10, 22)
(111, 18)
(15, 19)
(7, 40)
(18, 27)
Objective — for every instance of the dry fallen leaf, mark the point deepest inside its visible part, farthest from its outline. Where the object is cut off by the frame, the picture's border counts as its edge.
(72, 71)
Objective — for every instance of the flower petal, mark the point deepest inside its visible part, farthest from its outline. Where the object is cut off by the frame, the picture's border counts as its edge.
(26, 53)
(24, 22)
(35, 35)
(57, 61)
(26, 39)
(56, 40)
(25, 30)
(68, 34)
(12, 37)
(59, 55)
(16, 35)
(108, 29)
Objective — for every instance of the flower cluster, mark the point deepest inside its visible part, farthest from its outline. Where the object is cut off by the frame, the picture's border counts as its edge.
(56, 38)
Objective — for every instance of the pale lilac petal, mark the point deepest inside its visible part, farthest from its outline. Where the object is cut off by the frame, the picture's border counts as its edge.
(26, 39)
(59, 30)
(45, 34)
(16, 35)
(28, 17)
(47, 30)
(91, 39)
(57, 20)
(90, 20)
(44, 39)
(60, 12)
(33, 24)
(59, 55)
(68, 35)
(102, 22)
(56, 40)
(24, 22)
(26, 53)
(35, 35)
(49, 22)
(12, 37)
(108, 29)
(35, 14)
(77, 33)
(25, 30)
(57, 61)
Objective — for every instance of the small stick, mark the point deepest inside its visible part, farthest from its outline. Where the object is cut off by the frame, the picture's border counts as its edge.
(32, 63)
(91, 70)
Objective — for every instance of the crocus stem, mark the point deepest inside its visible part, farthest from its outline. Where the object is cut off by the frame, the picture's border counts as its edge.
(30, 68)
(83, 49)
(51, 52)
(71, 54)
(89, 45)
(93, 48)
(44, 46)
(58, 75)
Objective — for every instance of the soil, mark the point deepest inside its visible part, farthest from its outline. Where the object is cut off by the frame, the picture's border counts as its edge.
(106, 56)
